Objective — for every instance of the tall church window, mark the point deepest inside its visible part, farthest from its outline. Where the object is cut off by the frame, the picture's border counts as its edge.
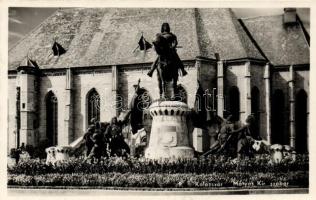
(277, 123)
(52, 119)
(301, 122)
(255, 110)
(93, 105)
(234, 103)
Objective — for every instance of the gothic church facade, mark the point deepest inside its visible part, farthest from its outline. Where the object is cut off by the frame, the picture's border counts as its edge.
(82, 63)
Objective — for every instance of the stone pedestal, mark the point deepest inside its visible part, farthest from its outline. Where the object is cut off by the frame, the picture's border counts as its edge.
(169, 133)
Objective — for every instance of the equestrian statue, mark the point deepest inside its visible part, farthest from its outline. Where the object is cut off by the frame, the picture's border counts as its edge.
(167, 63)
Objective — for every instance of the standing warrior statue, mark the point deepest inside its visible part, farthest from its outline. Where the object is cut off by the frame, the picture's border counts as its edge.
(167, 63)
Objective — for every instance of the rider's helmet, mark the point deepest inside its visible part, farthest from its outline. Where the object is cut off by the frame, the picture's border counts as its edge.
(165, 28)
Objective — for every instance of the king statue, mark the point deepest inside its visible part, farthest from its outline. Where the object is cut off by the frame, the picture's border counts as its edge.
(167, 63)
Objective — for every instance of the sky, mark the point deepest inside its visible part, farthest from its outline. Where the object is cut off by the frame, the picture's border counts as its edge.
(23, 20)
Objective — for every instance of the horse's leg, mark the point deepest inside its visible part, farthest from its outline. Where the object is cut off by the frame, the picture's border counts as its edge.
(175, 87)
(163, 86)
(160, 82)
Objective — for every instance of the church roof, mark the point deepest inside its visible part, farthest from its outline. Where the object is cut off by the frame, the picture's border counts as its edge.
(220, 32)
(281, 45)
(109, 36)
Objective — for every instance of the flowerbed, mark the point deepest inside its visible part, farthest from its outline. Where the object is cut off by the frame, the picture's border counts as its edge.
(139, 166)
(213, 172)
(214, 180)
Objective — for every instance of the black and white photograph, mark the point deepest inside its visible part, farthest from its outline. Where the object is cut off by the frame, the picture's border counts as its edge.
(158, 100)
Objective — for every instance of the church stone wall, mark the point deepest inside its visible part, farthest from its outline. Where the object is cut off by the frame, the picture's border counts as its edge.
(189, 83)
(302, 80)
(55, 83)
(129, 77)
(82, 84)
(208, 75)
(280, 81)
(257, 80)
(235, 76)
(11, 113)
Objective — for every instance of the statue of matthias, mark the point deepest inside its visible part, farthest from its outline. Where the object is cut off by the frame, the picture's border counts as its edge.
(167, 63)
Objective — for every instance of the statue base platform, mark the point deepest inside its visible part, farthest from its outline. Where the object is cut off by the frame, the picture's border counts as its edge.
(59, 153)
(169, 133)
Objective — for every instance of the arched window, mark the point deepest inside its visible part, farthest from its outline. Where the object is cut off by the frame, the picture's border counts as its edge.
(52, 119)
(93, 105)
(234, 103)
(301, 122)
(255, 110)
(181, 94)
(277, 123)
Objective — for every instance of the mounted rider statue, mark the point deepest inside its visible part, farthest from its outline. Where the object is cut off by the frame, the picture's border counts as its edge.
(167, 63)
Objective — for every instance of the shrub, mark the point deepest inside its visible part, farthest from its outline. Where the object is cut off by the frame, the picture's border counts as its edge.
(39, 151)
(14, 152)
(214, 180)
(146, 166)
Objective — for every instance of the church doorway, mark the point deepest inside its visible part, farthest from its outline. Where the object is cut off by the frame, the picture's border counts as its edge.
(301, 122)
(52, 119)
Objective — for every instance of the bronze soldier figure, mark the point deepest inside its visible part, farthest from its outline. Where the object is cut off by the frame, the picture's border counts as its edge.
(230, 132)
(98, 144)
(87, 136)
(117, 143)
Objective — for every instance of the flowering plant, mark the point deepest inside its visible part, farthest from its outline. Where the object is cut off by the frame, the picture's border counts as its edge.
(211, 165)
(161, 180)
